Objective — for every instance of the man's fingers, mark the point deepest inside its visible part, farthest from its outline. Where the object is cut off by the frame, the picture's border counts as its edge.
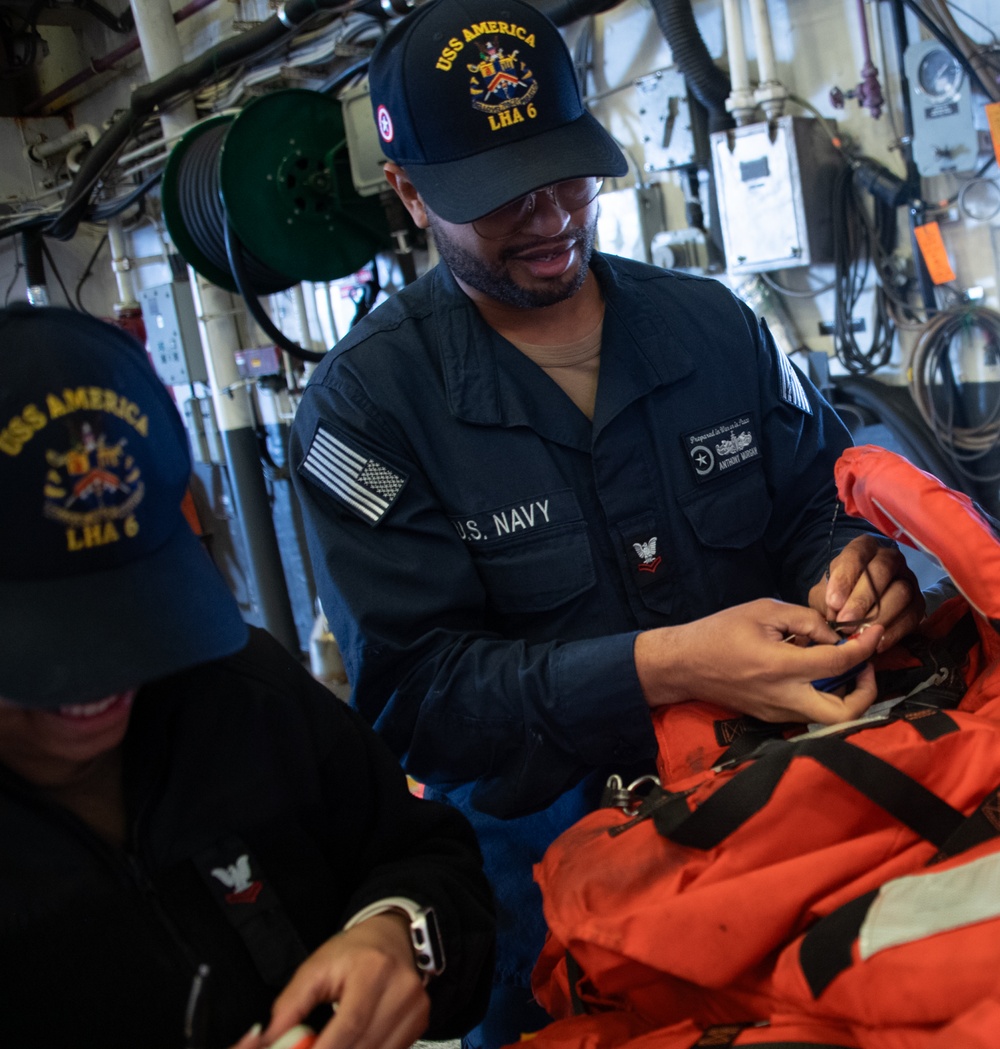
(836, 710)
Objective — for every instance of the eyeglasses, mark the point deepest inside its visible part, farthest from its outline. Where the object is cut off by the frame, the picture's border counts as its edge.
(571, 195)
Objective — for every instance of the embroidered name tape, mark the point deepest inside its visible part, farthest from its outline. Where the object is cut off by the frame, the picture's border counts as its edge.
(361, 482)
(722, 447)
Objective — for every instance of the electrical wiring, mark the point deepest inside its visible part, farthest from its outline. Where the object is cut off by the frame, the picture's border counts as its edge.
(935, 388)
(953, 46)
(796, 293)
(257, 44)
(87, 272)
(978, 57)
(861, 245)
(344, 39)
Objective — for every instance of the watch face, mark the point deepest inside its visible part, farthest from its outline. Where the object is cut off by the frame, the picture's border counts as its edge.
(939, 75)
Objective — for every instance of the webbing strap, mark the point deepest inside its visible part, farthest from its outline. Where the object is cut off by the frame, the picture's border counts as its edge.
(751, 788)
(574, 973)
(725, 1036)
(826, 948)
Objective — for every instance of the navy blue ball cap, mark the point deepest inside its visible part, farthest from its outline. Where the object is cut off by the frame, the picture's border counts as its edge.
(103, 584)
(478, 100)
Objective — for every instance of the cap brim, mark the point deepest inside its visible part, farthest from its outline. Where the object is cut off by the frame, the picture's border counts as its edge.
(465, 190)
(81, 638)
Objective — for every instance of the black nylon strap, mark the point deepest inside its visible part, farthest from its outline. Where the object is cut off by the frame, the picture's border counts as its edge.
(751, 788)
(720, 1036)
(574, 973)
(724, 1036)
(826, 947)
(931, 724)
(981, 826)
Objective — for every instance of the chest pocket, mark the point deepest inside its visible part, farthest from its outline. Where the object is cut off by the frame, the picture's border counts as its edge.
(731, 516)
(538, 573)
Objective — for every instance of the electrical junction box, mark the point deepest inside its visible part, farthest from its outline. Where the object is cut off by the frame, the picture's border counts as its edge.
(364, 147)
(945, 137)
(173, 340)
(774, 182)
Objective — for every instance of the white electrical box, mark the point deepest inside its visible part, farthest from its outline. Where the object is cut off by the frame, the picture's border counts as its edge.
(774, 182)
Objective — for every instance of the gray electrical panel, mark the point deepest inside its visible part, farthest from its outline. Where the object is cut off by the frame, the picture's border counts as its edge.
(775, 188)
(172, 337)
(944, 131)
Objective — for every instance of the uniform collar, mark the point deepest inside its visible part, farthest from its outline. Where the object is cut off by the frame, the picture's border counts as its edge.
(490, 382)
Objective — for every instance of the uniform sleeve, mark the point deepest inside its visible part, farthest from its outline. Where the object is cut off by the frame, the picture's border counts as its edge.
(457, 702)
(424, 851)
(394, 844)
(804, 437)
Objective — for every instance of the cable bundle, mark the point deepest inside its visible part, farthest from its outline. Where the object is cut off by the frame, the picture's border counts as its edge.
(935, 389)
(861, 243)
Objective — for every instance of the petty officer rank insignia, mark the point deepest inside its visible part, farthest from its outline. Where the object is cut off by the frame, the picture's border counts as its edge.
(722, 447)
(357, 480)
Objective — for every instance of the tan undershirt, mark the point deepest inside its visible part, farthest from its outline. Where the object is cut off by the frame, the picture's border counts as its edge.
(573, 365)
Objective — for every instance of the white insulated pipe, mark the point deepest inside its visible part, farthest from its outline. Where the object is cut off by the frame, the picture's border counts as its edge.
(770, 93)
(741, 101)
(121, 264)
(162, 54)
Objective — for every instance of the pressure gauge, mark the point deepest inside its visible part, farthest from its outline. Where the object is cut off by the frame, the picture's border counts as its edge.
(939, 75)
(945, 138)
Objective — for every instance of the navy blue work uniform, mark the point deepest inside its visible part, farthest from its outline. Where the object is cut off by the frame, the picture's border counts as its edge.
(485, 554)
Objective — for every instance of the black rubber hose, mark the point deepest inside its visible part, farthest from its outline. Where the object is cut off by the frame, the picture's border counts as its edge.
(707, 82)
(234, 252)
(894, 408)
(148, 97)
(199, 201)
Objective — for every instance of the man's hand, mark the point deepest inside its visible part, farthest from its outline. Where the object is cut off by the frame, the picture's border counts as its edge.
(368, 974)
(759, 658)
(869, 581)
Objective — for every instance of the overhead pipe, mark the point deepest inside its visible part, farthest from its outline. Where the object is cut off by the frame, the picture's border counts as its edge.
(869, 91)
(741, 101)
(770, 93)
(102, 64)
(234, 414)
(53, 147)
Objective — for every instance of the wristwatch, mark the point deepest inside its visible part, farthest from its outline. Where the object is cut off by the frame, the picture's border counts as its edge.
(425, 936)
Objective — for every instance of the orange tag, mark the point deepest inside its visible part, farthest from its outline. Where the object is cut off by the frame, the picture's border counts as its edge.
(993, 120)
(932, 248)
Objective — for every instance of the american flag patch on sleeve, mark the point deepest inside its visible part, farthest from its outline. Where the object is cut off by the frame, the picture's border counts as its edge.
(791, 388)
(358, 480)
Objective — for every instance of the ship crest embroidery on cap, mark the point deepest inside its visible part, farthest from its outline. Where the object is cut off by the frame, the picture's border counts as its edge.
(501, 83)
(94, 488)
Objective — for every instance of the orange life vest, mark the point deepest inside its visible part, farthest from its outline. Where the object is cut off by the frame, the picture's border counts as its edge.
(757, 879)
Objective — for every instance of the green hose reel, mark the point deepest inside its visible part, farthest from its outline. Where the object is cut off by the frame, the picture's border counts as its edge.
(279, 173)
